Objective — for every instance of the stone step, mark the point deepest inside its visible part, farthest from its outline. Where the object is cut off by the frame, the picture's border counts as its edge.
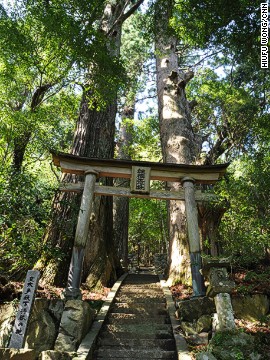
(115, 318)
(128, 358)
(140, 330)
(139, 299)
(141, 285)
(149, 285)
(133, 354)
(134, 290)
(113, 341)
(123, 335)
(144, 309)
(138, 325)
(141, 295)
(130, 291)
(141, 280)
(138, 294)
(142, 276)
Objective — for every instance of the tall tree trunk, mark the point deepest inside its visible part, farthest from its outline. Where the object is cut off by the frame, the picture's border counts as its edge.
(179, 145)
(99, 129)
(210, 216)
(20, 144)
(121, 204)
(94, 137)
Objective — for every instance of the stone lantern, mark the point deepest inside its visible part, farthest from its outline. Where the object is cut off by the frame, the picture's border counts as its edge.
(220, 288)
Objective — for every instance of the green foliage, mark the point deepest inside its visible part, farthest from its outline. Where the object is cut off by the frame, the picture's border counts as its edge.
(46, 49)
(233, 117)
(245, 226)
(146, 140)
(25, 206)
(221, 336)
(235, 344)
(37, 98)
(147, 226)
(232, 26)
(226, 112)
(145, 144)
(136, 50)
(255, 276)
(50, 126)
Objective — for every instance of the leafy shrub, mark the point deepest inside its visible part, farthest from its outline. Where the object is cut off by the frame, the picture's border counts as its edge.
(24, 211)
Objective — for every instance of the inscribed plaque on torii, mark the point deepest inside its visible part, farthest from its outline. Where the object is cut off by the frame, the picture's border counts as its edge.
(140, 180)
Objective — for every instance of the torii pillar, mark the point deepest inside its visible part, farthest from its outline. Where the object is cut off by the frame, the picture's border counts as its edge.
(193, 237)
(72, 290)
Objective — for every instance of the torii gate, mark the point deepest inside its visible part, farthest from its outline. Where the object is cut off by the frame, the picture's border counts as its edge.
(140, 173)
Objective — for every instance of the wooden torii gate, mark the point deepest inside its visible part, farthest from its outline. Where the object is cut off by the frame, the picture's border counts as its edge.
(140, 173)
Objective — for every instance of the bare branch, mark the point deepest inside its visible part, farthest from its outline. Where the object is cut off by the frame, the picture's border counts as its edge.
(39, 95)
(131, 10)
(185, 78)
(222, 144)
(192, 104)
(125, 16)
(205, 57)
(145, 98)
(188, 75)
(54, 172)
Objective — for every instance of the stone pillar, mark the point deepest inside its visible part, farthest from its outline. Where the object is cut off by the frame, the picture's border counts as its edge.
(18, 336)
(220, 288)
(193, 237)
(225, 317)
(72, 290)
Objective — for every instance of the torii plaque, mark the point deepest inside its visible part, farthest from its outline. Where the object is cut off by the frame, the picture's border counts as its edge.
(141, 172)
(140, 180)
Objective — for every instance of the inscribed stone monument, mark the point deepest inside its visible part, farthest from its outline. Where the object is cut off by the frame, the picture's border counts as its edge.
(28, 296)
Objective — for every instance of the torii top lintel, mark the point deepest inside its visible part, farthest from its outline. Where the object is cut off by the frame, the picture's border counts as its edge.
(202, 174)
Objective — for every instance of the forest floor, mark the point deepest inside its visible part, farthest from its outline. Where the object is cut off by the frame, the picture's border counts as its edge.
(11, 291)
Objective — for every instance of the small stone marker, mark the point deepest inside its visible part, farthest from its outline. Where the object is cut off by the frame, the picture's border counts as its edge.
(220, 288)
(140, 181)
(225, 317)
(28, 296)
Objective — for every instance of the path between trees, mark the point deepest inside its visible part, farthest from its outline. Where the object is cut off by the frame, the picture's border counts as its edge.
(138, 324)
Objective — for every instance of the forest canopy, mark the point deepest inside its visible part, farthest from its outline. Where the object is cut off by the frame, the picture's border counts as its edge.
(64, 64)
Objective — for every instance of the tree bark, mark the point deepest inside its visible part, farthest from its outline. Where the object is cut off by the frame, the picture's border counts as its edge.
(210, 216)
(94, 137)
(99, 264)
(179, 144)
(20, 144)
(121, 204)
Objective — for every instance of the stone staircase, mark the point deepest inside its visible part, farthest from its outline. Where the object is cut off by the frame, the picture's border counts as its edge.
(138, 325)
